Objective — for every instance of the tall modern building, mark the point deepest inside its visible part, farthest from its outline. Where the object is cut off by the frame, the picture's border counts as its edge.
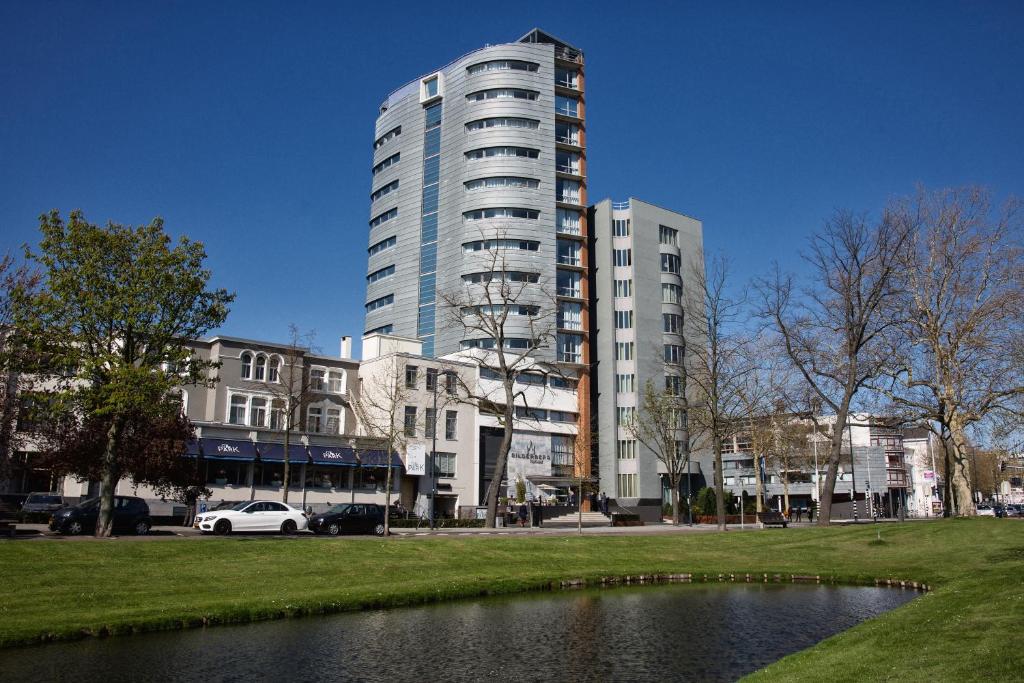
(644, 263)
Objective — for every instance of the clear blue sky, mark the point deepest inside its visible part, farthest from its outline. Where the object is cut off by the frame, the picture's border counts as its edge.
(249, 125)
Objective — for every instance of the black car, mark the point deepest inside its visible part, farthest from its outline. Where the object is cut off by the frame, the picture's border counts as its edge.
(349, 518)
(131, 514)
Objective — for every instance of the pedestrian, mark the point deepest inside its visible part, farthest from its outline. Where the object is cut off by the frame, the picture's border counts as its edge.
(799, 513)
(810, 513)
(604, 503)
(789, 513)
(523, 514)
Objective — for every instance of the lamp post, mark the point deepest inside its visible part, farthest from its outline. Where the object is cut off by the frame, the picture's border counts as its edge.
(853, 469)
(433, 455)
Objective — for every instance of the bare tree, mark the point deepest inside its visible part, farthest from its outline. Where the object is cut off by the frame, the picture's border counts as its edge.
(582, 455)
(660, 425)
(507, 313)
(718, 364)
(834, 330)
(962, 310)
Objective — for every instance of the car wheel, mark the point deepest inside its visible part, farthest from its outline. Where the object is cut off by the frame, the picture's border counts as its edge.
(333, 529)
(379, 529)
(289, 527)
(73, 528)
(222, 528)
(141, 527)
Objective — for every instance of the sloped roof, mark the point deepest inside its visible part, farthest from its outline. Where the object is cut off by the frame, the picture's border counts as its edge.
(539, 36)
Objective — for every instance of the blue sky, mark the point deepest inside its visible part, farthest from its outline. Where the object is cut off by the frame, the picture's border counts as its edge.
(249, 126)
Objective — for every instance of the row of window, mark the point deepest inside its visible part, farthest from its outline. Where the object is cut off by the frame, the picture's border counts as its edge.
(384, 217)
(624, 350)
(451, 423)
(386, 190)
(671, 323)
(501, 276)
(502, 151)
(387, 137)
(623, 288)
(226, 473)
(502, 182)
(670, 293)
(623, 320)
(383, 329)
(627, 486)
(568, 283)
(502, 65)
(378, 275)
(624, 415)
(488, 245)
(412, 375)
(625, 449)
(531, 378)
(502, 94)
(384, 244)
(620, 227)
(667, 235)
(625, 384)
(622, 257)
(387, 163)
(260, 367)
(489, 343)
(497, 310)
(380, 303)
(260, 411)
(542, 415)
(670, 263)
(501, 212)
(503, 122)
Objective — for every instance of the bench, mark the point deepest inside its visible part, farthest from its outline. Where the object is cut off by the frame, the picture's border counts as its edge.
(772, 518)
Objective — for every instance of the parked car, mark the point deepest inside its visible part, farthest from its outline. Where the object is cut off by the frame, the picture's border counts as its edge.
(130, 514)
(259, 515)
(986, 511)
(350, 518)
(40, 502)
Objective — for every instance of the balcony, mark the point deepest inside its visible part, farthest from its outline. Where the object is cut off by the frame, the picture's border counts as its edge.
(570, 292)
(568, 54)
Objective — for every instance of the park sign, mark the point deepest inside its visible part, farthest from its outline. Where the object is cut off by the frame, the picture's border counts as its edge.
(416, 460)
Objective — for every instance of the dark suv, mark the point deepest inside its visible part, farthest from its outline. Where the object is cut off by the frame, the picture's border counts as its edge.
(350, 518)
(131, 514)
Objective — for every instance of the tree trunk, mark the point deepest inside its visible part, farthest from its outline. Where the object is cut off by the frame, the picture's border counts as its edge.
(108, 480)
(287, 466)
(958, 474)
(835, 451)
(719, 483)
(675, 502)
(758, 484)
(499, 465)
(785, 482)
(387, 491)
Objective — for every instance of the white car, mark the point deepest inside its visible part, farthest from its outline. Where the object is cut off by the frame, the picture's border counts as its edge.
(257, 515)
(986, 511)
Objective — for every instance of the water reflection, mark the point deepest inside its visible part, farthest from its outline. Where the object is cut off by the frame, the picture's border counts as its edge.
(680, 632)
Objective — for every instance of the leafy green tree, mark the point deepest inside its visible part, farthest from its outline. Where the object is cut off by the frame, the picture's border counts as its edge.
(117, 306)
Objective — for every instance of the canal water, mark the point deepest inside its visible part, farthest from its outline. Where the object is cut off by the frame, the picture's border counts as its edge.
(682, 632)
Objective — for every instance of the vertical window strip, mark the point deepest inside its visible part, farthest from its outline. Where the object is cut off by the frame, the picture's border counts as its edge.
(426, 313)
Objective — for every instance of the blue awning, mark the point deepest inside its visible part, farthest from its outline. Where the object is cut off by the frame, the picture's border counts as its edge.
(228, 449)
(379, 458)
(274, 452)
(333, 455)
(192, 447)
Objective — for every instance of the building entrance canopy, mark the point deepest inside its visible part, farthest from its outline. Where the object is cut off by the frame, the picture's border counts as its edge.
(298, 453)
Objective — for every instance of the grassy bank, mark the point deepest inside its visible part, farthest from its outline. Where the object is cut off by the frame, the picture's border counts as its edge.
(971, 626)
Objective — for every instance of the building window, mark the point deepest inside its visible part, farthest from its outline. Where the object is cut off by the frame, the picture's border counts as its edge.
(625, 449)
(490, 152)
(378, 275)
(502, 94)
(670, 263)
(500, 276)
(431, 87)
(429, 422)
(672, 323)
(570, 315)
(625, 384)
(383, 191)
(261, 368)
(382, 245)
(451, 384)
(444, 464)
(673, 385)
(567, 78)
(567, 162)
(277, 414)
(316, 379)
(501, 182)
(667, 235)
(383, 329)
(502, 122)
(384, 217)
(502, 65)
(567, 191)
(620, 227)
(273, 369)
(567, 106)
(673, 354)
(257, 412)
(567, 221)
(622, 257)
(623, 288)
(627, 486)
(556, 382)
(671, 294)
(624, 415)
(567, 133)
(570, 348)
(451, 425)
(567, 283)
(380, 303)
(387, 163)
(623, 320)
(333, 421)
(499, 244)
(623, 350)
(246, 365)
(411, 372)
(431, 379)
(314, 419)
(501, 212)
(236, 415)
(568, 252)
(336, 381)
(410, 421)
(387, 137)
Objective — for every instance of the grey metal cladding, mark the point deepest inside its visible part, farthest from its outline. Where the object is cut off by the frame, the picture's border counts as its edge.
(404, 109)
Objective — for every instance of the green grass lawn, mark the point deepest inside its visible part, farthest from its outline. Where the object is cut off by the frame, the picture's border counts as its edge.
(970, 627)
